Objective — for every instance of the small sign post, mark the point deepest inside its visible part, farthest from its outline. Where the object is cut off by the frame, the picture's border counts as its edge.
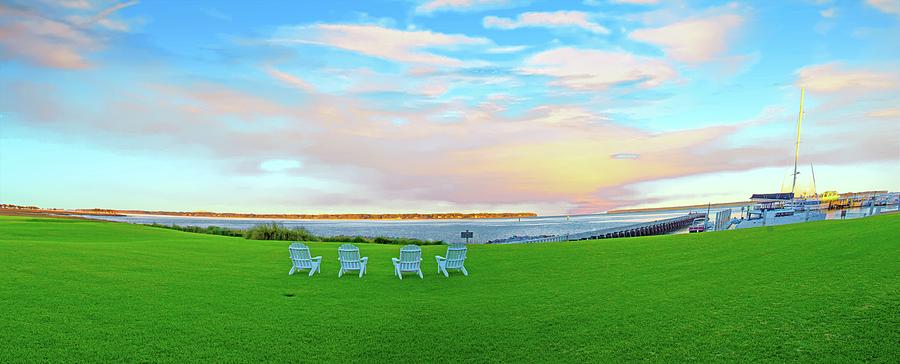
(467, 235)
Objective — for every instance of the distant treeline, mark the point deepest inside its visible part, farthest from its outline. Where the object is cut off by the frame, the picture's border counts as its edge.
(448, 215)
(275, 231)
(17, 207)
(444, 215)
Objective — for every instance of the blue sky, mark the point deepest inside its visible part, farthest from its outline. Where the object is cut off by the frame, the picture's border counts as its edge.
(448, 105)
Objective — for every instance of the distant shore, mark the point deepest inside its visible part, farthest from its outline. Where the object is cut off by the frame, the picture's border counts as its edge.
(33, 210)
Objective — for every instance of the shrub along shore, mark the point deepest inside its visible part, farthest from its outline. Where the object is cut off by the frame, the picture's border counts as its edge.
(275, 231)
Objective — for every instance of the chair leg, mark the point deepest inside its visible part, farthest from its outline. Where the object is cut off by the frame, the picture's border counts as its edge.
(313, 270)
(420, 274)
(446, 274)
(340, 272)
(465, 272)
(293, 269)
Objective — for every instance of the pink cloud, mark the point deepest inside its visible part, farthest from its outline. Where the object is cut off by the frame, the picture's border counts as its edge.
(885, 6)
(290, 80)
(557, 156)
(638, 2)
(431, 6)
(103, 18)
(376, 41)
(71, 4)
(105, 13)
(885, 113)
(692, 41)
(588, 69)
(29, 36)
(837, 77)
(528, 159)
(41, 40)
(555, 19)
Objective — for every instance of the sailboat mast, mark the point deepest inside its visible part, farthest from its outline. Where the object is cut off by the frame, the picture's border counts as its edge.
(797, 147)
(811, 169)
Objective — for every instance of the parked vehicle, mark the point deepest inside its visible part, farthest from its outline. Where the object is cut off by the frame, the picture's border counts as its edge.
(699, 225)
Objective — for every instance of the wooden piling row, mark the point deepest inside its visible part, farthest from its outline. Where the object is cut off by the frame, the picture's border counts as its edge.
(640, 229)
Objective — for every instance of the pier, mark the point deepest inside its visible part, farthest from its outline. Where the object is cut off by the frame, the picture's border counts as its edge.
(656, 227)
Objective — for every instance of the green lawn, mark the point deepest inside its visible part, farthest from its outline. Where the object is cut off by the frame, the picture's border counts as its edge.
(829, 291)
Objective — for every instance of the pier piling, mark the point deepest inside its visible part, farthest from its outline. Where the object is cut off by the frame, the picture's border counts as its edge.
(640, 229)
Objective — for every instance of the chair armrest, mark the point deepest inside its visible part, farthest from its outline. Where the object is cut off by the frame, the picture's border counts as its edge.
(395, 260)
(438, 257)
(318, 258)
(364, 259)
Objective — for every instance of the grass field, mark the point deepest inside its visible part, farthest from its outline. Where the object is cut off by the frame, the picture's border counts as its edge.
(75, 290)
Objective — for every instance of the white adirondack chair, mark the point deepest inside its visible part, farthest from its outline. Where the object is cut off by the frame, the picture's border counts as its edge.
(301, 259)
(410, 261)
(456, 257)
(348, 255)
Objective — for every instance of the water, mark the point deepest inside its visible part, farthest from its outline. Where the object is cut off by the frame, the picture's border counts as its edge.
(448, 230)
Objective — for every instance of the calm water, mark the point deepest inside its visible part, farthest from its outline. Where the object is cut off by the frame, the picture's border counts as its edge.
(446, 230)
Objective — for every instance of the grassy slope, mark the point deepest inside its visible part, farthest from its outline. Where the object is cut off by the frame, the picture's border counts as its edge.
(823, 291)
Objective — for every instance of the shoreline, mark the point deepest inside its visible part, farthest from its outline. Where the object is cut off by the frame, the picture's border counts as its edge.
(32, 210)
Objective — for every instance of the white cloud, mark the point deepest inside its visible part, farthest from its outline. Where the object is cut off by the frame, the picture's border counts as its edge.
(555, 19)
(279, 165)
(507, 49)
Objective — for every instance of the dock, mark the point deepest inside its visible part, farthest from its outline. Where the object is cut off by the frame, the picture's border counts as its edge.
(656, 227)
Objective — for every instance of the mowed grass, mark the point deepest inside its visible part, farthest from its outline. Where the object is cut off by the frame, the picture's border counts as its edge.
(829, 291)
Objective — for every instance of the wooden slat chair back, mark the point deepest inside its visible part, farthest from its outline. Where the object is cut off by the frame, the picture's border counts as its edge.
(455, 259)
(410, 261)
(349, 257)
(301, 259)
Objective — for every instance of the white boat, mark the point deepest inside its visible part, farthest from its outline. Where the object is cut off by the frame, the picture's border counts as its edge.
(783, 208)
(777, 209)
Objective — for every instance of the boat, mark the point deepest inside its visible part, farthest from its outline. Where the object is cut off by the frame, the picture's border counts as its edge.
(785, 207)
(829, 198)
(771, 209)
